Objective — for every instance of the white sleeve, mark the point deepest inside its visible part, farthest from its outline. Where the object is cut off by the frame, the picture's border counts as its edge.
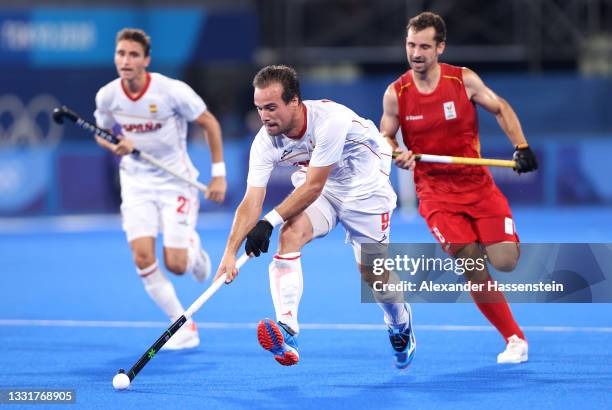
(103, 115)
(330, 138)
(187, 103)
(261, 161)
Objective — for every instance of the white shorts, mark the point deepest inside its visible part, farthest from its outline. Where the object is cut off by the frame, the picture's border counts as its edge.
(171, 209)
(360, 226)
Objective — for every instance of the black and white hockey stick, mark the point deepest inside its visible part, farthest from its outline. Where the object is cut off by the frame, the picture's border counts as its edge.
(174, 327)
(61, 113)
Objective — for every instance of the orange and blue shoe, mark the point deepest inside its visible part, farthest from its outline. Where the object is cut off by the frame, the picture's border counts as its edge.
(280, 340)
(403, 342)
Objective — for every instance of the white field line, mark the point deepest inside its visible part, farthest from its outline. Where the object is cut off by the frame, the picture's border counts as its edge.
(309, 326)
(92, 223)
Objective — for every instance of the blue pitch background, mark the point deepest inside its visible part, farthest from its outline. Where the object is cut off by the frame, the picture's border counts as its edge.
(81, 270)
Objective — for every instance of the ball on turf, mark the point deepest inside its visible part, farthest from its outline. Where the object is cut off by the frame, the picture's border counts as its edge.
(121, 381)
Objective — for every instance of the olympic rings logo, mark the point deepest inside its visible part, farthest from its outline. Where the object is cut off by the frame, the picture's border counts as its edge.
(30, 124)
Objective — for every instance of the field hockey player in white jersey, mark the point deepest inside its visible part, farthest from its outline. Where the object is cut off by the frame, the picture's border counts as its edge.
(151, 112)
(341, 177)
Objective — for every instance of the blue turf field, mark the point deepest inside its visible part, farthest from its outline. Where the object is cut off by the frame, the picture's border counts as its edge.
(72, 311)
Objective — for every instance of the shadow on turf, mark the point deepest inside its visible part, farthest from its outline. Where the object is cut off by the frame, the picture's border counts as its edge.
(485, 380)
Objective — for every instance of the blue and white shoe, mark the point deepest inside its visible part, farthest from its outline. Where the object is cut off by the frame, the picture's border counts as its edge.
(403, 343)
(280, 340)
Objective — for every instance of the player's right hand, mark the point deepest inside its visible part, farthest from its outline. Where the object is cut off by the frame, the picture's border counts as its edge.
(227, 266)
(217, 187)
(404, 160)
(258, 239)
(525, 159)
(124, 147)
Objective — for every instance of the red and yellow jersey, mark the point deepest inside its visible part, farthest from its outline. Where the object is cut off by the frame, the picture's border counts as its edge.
(443, 122)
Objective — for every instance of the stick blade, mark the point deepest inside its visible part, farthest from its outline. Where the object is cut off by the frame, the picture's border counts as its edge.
(62, 112)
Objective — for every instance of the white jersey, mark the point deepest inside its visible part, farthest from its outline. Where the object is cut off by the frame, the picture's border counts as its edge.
(156, 121)
(334, 135)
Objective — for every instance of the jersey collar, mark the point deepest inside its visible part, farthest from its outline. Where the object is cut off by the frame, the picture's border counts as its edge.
(141, 93)
(304, 127)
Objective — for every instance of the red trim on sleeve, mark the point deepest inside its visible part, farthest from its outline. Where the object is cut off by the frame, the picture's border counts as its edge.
(141, 93)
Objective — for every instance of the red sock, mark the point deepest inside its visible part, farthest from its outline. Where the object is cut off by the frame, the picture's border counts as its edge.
(494, 306)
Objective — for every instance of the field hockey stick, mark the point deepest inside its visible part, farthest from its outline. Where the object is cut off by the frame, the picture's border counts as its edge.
(444, 159)
(59, 114)
(174, 327)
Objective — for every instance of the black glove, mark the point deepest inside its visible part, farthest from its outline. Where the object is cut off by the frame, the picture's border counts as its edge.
(258, 239)
(525, 159)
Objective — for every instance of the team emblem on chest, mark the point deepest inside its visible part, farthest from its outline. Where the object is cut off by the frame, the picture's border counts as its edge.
(449, 110)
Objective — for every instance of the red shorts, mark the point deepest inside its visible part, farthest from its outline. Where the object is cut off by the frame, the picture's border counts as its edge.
(487, 221)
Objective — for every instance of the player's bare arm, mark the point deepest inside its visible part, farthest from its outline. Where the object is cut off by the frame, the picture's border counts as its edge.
(389, 124)
(246, 217)
(482, 95)
(217, 187)
(507, 119)
(258, 238)
(305, 194)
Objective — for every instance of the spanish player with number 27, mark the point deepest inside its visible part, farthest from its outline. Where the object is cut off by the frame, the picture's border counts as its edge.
(150, 112)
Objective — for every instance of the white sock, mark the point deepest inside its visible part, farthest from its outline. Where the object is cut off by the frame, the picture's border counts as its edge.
(286, 286)
(193, 251)
(392, 303)
(161, 290)
(395, 314)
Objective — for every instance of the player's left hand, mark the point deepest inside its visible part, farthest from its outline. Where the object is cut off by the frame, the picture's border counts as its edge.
(258, 239)
(404, 159)
(525, 159)
(217, 187)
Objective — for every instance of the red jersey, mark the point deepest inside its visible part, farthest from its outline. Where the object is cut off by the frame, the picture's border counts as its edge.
(443, 122)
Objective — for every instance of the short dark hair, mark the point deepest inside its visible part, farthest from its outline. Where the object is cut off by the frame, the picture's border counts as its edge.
(428, 19)
(286, 76)
(137, 35)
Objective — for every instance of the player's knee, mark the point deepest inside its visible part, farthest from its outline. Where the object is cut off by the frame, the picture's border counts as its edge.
(292, 236)
(504, 263)
(504, 256)
(175, 264)
(366, 273)
(143, 259)
(369, 275)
